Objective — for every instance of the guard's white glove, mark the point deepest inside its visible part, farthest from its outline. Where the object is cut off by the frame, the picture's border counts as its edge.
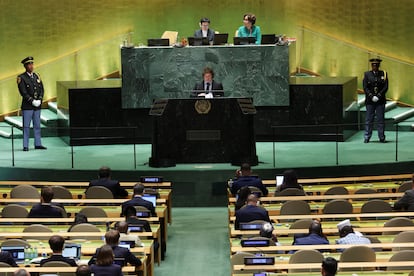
(375, 99)
(36, 103)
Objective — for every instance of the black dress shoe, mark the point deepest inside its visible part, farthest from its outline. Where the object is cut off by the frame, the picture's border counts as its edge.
(40, 147)
(25, 149)
(383, 141)
(366, 141)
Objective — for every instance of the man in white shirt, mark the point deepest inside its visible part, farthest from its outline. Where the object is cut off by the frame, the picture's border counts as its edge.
(205, 30)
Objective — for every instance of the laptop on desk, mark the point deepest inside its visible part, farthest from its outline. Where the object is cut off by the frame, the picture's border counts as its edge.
(198, 41)
(220, 39)
(72, 250)
(17, 252)
(244, 40)
(268, 39)
(150, 198)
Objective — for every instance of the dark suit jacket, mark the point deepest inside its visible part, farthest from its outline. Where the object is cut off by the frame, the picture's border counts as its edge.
(375, 85)
(210, 34)
(248, 180)
(30, 89)
(59, 258)
(406, 202)
(112, 185)
(107, 270)
(217, 88)
(45, 211)
(249, 213)
(6, 257)
(138, 201)
(120, 252)
(144, 223)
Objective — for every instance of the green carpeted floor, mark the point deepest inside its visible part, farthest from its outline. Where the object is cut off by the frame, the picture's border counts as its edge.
(198, 243)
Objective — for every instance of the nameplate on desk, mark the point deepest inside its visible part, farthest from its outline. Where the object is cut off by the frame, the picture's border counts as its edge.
(250, 226)
(255, 243)
(151, 179)
(261, 260)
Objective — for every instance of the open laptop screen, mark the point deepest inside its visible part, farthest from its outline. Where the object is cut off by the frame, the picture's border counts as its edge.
(150, 198)
(72, 250)
(17, 252)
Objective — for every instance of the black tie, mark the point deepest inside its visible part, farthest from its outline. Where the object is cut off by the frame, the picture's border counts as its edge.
(208, 86)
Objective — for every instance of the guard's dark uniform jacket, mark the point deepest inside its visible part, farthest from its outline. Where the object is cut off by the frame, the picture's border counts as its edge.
(375, 85)
(30, 89)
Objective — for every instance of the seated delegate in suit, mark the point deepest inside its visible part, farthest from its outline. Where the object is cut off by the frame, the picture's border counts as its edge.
(407, 201)
(315, 236)
(106, 181)
(45, 209)
(56, 243)
(205, 30)
(6, 257)
(208, 88)
(105, 263)
(137, 200)
(125, 236)
(251, 212)
(290, 180)
(245, 178)
(112, 239)
(131, 218)
(249, 29)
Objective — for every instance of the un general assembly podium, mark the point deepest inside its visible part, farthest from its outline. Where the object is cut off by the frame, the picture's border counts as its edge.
(196, 130)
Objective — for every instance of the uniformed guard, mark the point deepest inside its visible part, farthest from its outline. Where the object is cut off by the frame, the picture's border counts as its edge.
(31, 88)
(375, 85)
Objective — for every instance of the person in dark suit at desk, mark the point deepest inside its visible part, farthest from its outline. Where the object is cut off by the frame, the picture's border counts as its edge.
(112, 239)
(137, 200)
(106, 181)
(6, 257)
(205, 30)
(46, 209)
(208, 88)
(251, 212)
(407, 201)
(315, 236)
(245, 178)
(56, 243)
(104, 263)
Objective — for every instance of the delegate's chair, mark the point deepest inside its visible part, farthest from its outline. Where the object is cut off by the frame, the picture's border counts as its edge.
(24, 191)
(256, 191)
(397, 222)
(14, 211)
(85, 227)
(59, 264)
(406, 236)
(295, 207)
(402, 256)
(5, 273)
(365, 191)
(98, 192)
(15, 242)
(93, 212)
(301, 224)
(238, 259)
(359, 253)
(61, 192)
(405, 186)
(171, 35)
(305, 256)
(376, 206)
(337, 190)
(290, 192)
(36, 228)
(338, 206)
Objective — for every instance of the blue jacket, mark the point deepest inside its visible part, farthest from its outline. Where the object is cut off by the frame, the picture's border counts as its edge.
(250, 213)
(113, 185)
(120, 252)
(45, 211)
(138, 201)
(248, 181)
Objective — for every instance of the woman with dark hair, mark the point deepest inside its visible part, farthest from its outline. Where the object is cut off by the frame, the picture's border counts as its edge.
(249, 29)
(242, 195)
(290, 180)
(104, 265)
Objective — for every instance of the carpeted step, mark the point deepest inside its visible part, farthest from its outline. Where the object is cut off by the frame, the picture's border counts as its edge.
(389, 106)
(52, 106)
(6, 131)
(16, 121)
(398, 112)
(361, 100)
(48, 117)
(406, 125)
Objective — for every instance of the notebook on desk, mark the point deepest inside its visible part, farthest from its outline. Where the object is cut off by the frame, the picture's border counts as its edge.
(17, 252)
(72, 250)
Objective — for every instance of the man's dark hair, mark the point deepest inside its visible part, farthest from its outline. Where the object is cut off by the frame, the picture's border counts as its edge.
(208, 70)
(139, 189)
(330, 266)
(47, 194)
(250, 17)
(346, 230)
(130, 211)
(56, 243)
(104, 172)
(21, 272)
(245, 167)
(316, 228)
(112, 237)
(290, 178)
(83, 270)
(204, 19)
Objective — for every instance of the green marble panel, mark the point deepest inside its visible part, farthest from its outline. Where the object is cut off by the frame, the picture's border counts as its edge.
(260, 72)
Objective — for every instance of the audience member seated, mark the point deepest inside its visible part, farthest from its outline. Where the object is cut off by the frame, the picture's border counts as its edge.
(242, 195)
(83, 270)
(45, 209)
(290, 180)
(131, 218)
(137, 200)
(79, 218)
(315, 236)
(56, 243)
(124, 234)
(6, 257)
(112, 239)
(251, 212)
(21, 272)
(348, 236)
(106, 181)
(105, 263)
(266, 231)
(245, 178)
(329, 267)
(407, 201)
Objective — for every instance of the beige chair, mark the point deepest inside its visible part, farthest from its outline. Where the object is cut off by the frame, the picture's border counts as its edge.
(406, 236)
(397, 222)
(338, 206)
(358, 253)
(59, 264)
(93, 212)
(402, 256)
(24, 191)
(85, 227)
(405, 186)
(295, 207)
(255, 190)
(61, 192)
(290, 192)
(305, 256)
(171, 35)
(14, 211)
(15, 242)
(238, 259)
(376, 206)
(141, 208)
(411, 273)
(365, 191)
(36, 228)
(337, 190)
(374, 239)
(301, 224)
(5, 273)
(98, 192)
